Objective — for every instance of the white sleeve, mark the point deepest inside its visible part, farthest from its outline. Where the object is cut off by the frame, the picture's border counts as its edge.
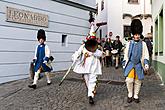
(47, 51)
(98, 53)
(35, 54)
(81, 49)
(77, 53)
(145, 51)
(126, 51)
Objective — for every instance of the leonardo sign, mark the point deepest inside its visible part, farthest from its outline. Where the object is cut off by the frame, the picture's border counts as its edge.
(26, 17)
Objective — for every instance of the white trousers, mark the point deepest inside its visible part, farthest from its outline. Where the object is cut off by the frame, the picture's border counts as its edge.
(90, 81)
(133, 89)
(36, 76)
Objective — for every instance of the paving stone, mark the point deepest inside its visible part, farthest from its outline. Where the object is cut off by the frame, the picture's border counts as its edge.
(72, 94)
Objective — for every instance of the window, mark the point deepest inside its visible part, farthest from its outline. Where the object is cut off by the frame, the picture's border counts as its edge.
(133, 1)
(64, 40)
(91, 18)
(102, 5)
(160, 39)
(127, 31)
(156, 38)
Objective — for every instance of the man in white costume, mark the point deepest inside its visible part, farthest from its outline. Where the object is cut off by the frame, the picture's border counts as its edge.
(88, 63)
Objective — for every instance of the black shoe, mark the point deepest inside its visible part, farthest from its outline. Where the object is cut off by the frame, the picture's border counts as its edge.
(116, 67)
(32, 86)
(129, 99)
(49, 83)
(137, 100)
(91, 100)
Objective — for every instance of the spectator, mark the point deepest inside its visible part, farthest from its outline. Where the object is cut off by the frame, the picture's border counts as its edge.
(116, 47)
(149, 45)
(107, 50)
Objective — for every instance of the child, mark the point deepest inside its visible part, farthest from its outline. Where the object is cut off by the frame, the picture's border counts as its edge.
(88, 64)
(41, 59)
(136, 61)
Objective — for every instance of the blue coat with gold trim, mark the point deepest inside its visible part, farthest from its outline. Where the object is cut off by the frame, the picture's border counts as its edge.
(42, 54)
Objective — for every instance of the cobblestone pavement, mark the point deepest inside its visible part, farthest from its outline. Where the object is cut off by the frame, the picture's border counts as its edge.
(72, 94)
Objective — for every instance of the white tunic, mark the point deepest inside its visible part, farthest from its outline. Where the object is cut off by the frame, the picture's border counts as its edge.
(92, 63)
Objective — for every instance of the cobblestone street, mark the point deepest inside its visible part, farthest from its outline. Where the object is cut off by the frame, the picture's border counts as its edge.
(72, 95)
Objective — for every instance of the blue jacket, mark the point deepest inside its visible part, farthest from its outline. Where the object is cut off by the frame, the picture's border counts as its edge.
(138, 62)
(42, 54)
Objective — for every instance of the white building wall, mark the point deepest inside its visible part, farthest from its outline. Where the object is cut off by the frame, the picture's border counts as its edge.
(102, 17)
(102, 14)
(147, 23)
(127, 21)
(18, 41)
(136, 9)
(143, 7)
(148, 7)
(156, 8)
(114, 14)
(133, 9)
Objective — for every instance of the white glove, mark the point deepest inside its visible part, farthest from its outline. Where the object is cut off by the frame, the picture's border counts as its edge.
(146, 67)
(45, 62)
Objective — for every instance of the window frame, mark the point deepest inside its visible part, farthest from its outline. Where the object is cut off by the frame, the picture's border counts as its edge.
(127, 31)
(64, 40)
(133, 1)
(160, 32)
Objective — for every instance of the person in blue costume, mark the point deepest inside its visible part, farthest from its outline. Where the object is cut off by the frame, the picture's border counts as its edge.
(136, 62)
(41, 59)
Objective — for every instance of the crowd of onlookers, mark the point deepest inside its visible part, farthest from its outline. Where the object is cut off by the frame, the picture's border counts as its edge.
(114, 50)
